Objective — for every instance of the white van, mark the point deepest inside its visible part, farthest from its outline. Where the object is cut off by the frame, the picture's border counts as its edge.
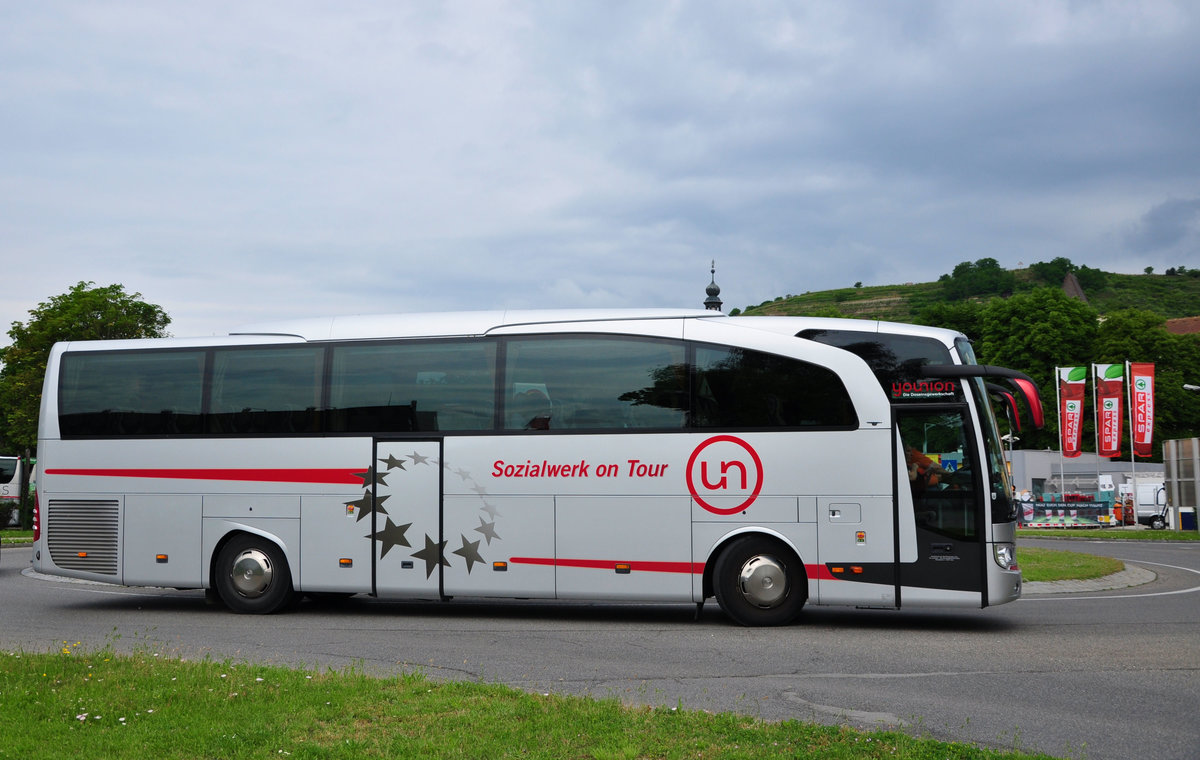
(1150, 502)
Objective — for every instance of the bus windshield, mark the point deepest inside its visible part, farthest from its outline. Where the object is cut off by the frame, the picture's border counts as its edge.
(1004, 506)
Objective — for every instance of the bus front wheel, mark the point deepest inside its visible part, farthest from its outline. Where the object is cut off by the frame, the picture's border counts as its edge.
(252, 576)
(759, 581)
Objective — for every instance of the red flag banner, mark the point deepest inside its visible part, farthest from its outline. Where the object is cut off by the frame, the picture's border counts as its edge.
(1110, 387)
(1141, 389)
(1072, 390)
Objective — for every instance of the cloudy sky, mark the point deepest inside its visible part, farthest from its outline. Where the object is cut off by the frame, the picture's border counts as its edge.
(241, 161)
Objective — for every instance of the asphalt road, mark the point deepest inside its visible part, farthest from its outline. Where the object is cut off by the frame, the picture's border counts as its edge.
(1096, 675)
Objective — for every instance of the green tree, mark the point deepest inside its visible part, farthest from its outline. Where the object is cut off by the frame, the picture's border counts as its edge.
(1052, 272)
(83, 313)
(1132, 335)
(964, 316)
(983, 277)
(1140, 336)
(1035, 332)
(1090, 279)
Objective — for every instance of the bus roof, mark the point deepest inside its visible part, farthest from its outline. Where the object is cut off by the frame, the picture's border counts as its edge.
(785, 325)
(445, 324)
(479, 323)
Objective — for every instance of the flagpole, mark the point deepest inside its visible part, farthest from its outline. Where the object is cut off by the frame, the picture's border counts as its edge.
(1062, 476)
(1132, 442)
(1096, 425)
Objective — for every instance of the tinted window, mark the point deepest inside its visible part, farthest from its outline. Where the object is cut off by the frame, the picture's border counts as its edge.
(741, 388)
(895, 359)
(586, 382)
(273, 390)
(413, 386)
(594, 382)
(134, 393)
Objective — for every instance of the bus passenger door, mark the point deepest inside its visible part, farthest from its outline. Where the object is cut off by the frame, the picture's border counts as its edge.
(405, 483)
(940, 505)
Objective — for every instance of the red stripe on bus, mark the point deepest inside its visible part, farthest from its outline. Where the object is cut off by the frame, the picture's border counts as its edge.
(606, 564)
(821, 573)
(256, 475)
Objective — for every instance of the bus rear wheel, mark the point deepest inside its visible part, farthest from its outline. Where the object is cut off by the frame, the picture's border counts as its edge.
(252, 576)
(758, 581)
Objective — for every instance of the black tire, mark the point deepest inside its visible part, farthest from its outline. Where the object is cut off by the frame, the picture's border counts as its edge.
(252, 576)
(759, 581)
(1158, 522)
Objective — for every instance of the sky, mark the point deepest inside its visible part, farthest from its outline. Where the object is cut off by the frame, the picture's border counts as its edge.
(238, 162)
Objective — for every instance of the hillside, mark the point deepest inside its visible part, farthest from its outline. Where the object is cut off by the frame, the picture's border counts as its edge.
(1171, 296)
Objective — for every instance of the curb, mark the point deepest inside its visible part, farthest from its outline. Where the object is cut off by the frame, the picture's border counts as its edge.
(1132, 575)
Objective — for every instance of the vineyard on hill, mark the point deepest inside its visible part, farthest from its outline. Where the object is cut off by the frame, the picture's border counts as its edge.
(1170, 296)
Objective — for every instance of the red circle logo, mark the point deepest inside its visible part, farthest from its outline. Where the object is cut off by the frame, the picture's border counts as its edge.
(724, 465)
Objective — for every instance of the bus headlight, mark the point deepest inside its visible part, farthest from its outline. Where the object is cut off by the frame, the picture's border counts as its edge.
(1005, 555)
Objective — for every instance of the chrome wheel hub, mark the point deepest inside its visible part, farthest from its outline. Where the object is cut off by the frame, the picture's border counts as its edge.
(251, 573)
(763, 581)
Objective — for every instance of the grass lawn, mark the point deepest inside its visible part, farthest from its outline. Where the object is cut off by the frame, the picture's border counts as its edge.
(1059, 565)
(1110, 534)
(70, 703)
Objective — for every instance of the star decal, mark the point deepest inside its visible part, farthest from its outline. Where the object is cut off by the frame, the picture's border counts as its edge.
(366, 505)
(469, 552)
(371, 477)
(393, 463)
(417, 458)
(377, 490)
(391, 535)
(432, 554)
(488, 529)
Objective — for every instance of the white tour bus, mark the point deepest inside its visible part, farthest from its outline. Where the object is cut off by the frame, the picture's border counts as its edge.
(661, 455)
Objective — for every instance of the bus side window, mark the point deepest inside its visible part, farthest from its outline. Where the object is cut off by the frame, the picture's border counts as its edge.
(135, 393)
(595, 382)
(272, 391)
(405, 386)
(738, 387)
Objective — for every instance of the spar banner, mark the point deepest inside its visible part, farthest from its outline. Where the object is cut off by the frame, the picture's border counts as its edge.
(1141, 407)
(1110, 387)
(1072, 389)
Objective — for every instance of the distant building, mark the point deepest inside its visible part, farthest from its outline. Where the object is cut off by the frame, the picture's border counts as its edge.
(713, 302)
(1183, 325)
(1042, 472)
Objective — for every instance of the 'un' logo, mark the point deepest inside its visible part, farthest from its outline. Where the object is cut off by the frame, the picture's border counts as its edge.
(725, 466)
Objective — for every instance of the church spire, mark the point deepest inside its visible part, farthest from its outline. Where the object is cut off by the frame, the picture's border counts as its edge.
(713, 302)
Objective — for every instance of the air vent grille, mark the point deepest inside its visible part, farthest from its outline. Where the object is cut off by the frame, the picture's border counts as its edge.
(83, 535)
